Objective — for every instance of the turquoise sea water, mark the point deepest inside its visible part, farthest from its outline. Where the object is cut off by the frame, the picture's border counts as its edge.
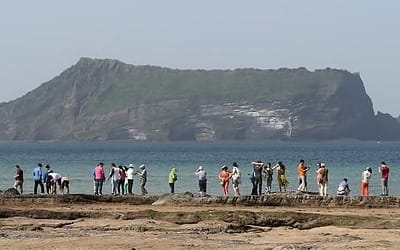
(77, 160)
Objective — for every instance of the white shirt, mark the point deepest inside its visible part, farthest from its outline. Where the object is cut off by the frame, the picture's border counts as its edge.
(201, 174)
(55, 176)
(115, 176)
(365, 176)
(235, 173)
(130, 173)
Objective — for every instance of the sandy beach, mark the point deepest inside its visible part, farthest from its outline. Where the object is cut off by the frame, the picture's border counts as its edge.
(136, 222)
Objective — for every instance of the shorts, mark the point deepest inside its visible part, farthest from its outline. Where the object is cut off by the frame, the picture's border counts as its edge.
(18, 183)
(236, 181)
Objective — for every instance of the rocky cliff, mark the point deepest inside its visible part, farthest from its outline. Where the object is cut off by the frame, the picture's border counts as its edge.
(111, 100)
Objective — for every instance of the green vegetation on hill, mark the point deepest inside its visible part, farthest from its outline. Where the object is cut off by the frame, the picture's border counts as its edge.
(140, 85)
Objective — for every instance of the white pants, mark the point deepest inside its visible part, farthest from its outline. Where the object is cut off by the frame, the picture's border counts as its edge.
(303, 183)
(114, 187)
(322, 188)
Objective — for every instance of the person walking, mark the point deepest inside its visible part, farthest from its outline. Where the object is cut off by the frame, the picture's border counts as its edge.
(172, 178)
(143, 178)
(19, 179)
(202, 175)
(384, 170)
(129, 175)
(99, 178)
(37, 177)
(224, 177)
(365, 177)
(236, 178)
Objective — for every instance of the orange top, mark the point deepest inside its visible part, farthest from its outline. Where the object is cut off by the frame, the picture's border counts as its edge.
(301, 169)
(224, 176)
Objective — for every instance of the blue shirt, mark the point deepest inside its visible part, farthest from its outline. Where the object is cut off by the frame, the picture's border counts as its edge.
(46, 176)
(37, 173)
(343, 186)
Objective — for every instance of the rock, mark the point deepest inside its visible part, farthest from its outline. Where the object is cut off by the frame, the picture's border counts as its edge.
(189, 194)
(174, 198)
(11, 192)
(285, 247)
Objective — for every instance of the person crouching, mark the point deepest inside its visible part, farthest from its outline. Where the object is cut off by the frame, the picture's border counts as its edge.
(64, 185)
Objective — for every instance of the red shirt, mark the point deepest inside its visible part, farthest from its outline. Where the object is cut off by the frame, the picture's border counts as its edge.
(384, 172)
(122, 174)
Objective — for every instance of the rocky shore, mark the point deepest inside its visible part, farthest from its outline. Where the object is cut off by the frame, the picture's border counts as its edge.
(188, 199)
(185, 221)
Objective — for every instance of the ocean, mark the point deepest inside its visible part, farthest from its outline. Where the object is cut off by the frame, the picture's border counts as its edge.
(77, 161)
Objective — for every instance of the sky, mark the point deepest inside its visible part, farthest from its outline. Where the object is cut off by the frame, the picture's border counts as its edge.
(40, 39)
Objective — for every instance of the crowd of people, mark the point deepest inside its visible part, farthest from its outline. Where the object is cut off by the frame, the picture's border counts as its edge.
(265, 171)
(260, 172)
(121, 179)
(48, 179)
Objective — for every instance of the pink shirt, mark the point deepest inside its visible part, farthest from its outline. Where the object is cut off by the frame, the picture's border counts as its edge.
(99, 173)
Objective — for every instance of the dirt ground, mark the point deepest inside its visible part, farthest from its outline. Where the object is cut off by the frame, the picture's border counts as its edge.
(51, 224)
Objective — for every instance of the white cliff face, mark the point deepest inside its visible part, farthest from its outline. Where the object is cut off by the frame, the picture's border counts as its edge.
(137, 134)
(205, 132)
(207, 122)
(271, 119)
